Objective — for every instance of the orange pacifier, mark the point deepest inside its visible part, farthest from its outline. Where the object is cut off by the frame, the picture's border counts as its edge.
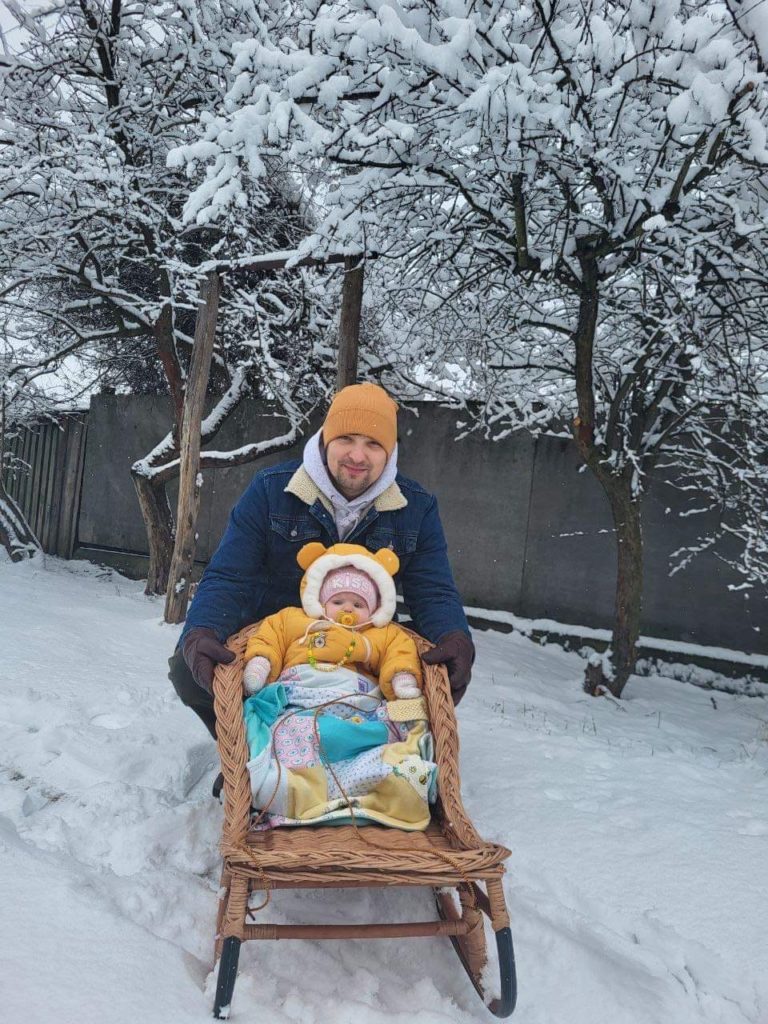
(347, 619)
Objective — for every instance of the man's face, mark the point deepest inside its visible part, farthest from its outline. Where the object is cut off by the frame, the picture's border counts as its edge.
(355, 462)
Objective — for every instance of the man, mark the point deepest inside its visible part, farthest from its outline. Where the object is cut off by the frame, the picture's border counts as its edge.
(346, 488)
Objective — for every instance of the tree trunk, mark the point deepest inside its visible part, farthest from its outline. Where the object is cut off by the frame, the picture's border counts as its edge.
(180, 578)
(349, 322)
(613, 676)
(608, 674)
(158, 521)
(16, 535)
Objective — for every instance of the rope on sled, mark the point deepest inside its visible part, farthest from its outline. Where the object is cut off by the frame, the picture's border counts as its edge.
(363, 833)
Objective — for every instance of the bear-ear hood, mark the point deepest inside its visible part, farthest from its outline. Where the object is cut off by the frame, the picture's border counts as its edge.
(318, 560)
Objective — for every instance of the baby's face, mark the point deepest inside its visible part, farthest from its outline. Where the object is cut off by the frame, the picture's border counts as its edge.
(348, 609)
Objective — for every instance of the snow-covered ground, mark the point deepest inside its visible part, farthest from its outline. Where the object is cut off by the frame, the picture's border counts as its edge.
(638, 883)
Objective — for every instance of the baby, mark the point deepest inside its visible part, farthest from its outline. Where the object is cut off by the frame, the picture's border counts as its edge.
(345, 623)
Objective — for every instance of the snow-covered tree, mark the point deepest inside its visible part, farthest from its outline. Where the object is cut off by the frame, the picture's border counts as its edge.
(570, 195)
(92, 100)
(17, 404)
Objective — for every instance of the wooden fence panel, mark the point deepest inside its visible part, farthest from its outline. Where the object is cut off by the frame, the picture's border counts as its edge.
(71, 487)
(44, 475)
(48, 492)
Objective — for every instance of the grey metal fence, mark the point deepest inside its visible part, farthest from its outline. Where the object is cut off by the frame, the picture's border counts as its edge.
(527, 531)
(44, 474)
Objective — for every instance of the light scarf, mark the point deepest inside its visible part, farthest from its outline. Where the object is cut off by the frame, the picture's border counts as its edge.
(346, 513)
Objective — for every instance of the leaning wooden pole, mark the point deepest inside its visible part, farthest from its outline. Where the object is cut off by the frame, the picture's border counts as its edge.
(180, 576)
(349, 321)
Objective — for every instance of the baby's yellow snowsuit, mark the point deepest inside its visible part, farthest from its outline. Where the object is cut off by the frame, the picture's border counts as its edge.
(296, 636)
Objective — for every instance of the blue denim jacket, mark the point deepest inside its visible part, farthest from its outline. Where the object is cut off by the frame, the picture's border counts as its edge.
(254, 571)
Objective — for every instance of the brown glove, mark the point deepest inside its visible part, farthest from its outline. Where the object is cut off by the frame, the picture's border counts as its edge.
(457, 652)
(202, 652)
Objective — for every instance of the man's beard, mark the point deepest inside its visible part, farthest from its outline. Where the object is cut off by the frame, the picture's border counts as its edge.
(351, 486)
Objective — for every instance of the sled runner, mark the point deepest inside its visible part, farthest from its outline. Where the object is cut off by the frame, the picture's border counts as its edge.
(464, 871)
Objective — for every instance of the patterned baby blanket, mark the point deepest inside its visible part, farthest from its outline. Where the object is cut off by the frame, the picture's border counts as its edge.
(322, 741)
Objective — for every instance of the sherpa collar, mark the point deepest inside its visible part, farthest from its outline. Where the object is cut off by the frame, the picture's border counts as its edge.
(304, 487)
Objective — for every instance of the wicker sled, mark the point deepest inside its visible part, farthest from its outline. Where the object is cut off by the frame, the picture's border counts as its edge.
(450, 857)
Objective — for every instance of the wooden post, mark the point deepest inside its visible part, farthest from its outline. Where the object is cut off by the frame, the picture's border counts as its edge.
(179, 579)
(349, 321)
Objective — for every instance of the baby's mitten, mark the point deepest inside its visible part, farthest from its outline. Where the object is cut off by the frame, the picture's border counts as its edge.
(405, 685)
(256, 674)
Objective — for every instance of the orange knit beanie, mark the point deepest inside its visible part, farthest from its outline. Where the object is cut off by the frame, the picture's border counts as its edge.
(363, 409)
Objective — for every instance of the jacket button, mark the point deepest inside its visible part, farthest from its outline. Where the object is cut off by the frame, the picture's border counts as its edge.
(294, 532)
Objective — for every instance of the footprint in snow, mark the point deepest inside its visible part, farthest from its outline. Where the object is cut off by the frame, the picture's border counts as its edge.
(111, 721)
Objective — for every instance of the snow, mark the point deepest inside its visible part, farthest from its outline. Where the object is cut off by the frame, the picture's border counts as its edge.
(636, 886)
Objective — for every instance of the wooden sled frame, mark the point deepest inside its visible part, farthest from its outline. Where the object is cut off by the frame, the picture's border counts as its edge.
(450, 856)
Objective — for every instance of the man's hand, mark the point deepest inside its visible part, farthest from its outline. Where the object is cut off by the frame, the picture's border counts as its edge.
(203, 652)
(457, 652)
